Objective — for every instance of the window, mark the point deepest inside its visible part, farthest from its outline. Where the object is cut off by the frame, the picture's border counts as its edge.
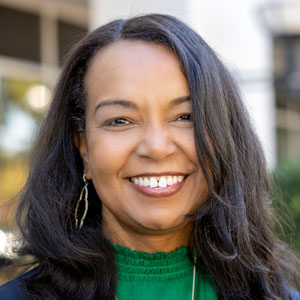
(20, 34)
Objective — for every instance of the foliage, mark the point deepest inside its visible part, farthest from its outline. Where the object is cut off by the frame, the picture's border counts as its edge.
(16, 90)
(286, 200)
(13, 175)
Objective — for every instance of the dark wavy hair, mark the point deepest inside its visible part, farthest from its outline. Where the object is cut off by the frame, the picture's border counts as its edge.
(233, 230)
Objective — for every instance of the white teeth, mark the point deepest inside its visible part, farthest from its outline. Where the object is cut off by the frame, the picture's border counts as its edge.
(180, 178)
(141, 181)
(146, 181)
(162, 182)
(169, 180)
(175, 179)
(153, 182)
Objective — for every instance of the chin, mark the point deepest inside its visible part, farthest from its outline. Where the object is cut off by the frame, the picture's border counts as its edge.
(162, 224)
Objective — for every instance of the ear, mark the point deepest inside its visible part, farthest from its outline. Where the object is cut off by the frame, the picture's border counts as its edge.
(80, 142)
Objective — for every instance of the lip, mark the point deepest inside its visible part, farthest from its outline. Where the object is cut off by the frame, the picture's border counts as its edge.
(159, 174)
(161, 192)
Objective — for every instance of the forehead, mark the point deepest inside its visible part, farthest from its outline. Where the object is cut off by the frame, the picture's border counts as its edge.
(132, 66)
(120, 53)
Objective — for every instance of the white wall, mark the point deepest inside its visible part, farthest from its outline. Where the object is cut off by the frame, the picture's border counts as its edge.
(235, 30)
(103, 11)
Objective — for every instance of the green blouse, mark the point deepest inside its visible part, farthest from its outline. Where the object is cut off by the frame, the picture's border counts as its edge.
(159, 276)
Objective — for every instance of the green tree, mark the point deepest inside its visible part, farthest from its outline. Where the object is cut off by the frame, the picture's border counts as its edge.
(286, 199)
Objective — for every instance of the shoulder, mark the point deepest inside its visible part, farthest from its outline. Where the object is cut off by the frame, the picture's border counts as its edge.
(293, 294)
(12, 289)
(296, 295)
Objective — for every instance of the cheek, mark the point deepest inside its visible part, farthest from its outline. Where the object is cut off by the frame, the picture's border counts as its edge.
(108, 153)
(200, 188)
(185, 141)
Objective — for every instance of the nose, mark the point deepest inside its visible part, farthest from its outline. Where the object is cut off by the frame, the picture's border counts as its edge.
(155, 143)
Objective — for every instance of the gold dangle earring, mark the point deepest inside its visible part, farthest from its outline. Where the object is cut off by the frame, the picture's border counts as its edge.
(85, 191)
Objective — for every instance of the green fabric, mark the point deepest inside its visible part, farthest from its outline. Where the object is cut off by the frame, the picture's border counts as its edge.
(159, 276)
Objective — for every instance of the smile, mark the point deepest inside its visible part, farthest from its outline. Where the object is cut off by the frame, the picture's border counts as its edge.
(154, 181)
(158, 186)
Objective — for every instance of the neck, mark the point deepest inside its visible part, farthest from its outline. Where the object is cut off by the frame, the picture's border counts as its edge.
(146, 240)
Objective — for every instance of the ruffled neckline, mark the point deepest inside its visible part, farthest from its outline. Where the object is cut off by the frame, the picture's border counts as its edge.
(121, 250)
(136, 265)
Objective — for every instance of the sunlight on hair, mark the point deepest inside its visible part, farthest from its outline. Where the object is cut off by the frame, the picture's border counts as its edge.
(6, 244)
(3, 241)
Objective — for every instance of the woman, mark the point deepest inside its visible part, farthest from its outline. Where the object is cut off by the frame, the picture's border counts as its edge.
(147, 180)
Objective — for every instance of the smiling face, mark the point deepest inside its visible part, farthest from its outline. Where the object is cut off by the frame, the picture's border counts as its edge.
(139, 148)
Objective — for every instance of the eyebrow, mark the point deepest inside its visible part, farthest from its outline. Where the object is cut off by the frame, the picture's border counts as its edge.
(132, 105)
(112, 102)
(179, 100)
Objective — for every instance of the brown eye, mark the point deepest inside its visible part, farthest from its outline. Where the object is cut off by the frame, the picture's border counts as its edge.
(117, 122)
(185, 117)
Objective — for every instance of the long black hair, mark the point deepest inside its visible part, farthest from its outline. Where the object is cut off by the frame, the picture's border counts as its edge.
(233, 230)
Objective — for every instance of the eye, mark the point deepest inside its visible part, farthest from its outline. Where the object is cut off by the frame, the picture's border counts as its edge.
(117, 122)
(185, 117)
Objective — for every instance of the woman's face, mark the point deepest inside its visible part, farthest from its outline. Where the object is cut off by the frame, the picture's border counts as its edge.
(139, 148)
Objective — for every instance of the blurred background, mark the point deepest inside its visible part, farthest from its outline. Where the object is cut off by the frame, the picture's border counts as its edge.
(258, 40)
